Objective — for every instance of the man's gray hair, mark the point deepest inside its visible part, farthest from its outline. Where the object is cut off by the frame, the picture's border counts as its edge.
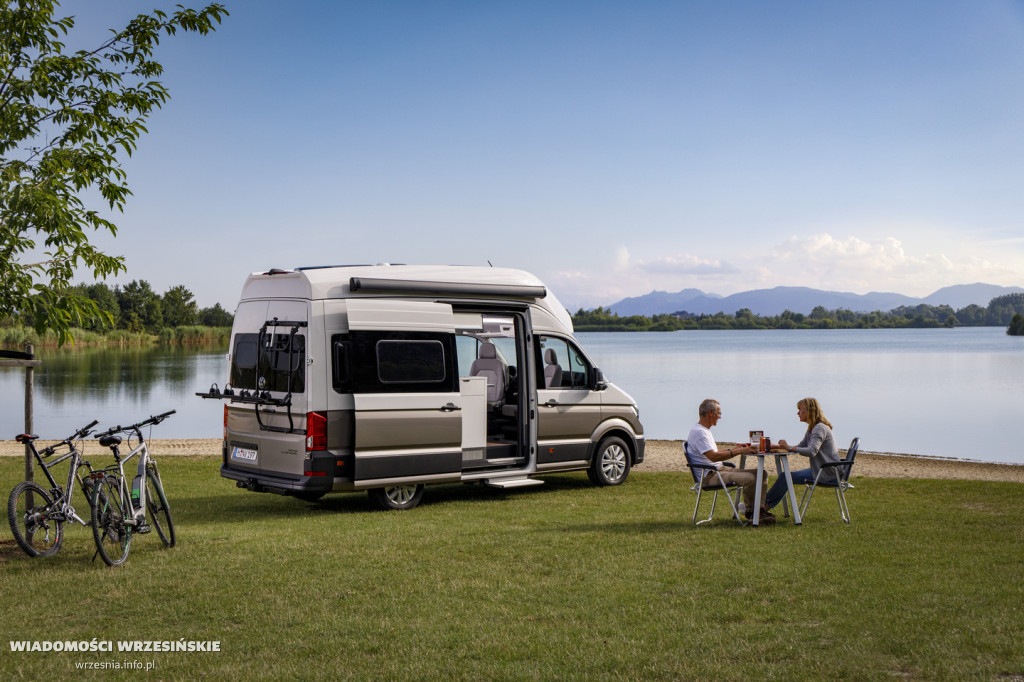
(709, 406)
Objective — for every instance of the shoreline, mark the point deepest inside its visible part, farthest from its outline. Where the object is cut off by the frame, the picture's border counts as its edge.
(664, 455)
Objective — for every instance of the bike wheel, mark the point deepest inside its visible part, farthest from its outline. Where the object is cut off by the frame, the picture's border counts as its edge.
(28, 510)
(157, 509)
(110, 513)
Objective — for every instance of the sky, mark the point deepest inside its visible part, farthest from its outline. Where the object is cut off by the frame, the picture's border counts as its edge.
(611, 148)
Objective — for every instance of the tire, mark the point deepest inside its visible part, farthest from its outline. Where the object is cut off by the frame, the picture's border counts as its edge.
(109, 512)
(396, 497)
(36, 534)
(157, 510)
(611, 462)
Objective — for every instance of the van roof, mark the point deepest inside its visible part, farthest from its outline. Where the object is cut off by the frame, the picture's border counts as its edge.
(352, 281)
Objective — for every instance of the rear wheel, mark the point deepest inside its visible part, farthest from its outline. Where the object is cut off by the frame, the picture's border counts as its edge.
(157, 510)
(396, 497)
(110, 514)
(28, 510)
(611, 462)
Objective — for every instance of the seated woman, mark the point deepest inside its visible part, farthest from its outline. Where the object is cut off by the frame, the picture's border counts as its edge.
(818, 444)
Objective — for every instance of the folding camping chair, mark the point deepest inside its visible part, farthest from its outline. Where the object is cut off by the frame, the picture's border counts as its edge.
(702, 480)
(842, 469)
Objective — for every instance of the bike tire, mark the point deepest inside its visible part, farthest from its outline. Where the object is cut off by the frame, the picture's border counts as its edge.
(110, 511)
(36, 534)
(157, 509)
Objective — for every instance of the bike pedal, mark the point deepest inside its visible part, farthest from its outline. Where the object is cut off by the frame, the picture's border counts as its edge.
(144, 528)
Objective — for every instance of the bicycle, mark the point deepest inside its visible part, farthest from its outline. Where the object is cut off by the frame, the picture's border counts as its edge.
(119, 511)
(38, 528)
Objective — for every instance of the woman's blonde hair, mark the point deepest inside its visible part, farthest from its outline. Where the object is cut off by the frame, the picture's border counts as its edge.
(814, 414)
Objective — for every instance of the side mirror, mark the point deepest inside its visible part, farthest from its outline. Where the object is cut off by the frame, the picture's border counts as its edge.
(599, 383)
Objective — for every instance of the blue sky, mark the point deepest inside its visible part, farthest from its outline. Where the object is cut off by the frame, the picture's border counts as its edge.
(611, 148)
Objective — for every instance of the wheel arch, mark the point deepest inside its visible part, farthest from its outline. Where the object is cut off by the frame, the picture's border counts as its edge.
(613, 427)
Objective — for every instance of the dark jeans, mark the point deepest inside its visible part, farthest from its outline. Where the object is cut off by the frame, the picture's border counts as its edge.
(778, 489)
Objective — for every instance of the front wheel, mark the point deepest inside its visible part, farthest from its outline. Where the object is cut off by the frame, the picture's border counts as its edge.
(396, 497)
(156, 507)
(28, 510)
(611, 462)
(111, 512)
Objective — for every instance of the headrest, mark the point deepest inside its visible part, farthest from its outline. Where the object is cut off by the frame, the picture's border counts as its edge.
(549, 357)
(488, 351)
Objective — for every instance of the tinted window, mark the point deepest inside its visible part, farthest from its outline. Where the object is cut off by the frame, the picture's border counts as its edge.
(401, 362)
(281, 363)
(407, 362)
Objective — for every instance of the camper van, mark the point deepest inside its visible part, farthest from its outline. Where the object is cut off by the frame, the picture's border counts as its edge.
(386, 378)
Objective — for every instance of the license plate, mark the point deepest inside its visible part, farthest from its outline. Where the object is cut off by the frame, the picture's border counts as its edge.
(244, 453)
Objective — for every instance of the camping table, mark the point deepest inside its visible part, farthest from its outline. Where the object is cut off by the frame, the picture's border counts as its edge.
(781, 464)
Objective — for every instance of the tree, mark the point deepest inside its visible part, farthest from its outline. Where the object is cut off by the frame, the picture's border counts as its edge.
(215, 316)
(65, 121)
(140, 307)
(179, 307)
(1016, 327)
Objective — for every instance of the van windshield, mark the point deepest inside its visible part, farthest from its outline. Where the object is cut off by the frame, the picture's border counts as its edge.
(279, 366)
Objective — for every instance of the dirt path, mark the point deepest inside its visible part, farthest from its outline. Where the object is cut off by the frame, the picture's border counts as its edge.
(666, 455)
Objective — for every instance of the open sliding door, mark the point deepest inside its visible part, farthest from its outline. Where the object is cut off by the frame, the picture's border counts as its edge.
(408, 409)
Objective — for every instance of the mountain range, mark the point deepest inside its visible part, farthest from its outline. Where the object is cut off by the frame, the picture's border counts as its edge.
(802, 300)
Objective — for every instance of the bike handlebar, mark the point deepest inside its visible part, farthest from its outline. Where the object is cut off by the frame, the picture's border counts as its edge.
(80, 433)
(135, 427)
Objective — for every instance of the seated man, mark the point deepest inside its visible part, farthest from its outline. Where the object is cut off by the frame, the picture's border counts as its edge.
(702, 449)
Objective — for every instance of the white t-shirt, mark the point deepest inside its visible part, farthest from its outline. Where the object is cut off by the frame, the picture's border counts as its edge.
(700, 441)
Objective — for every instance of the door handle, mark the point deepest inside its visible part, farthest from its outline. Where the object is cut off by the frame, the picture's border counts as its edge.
(551, 403)
(450, 407)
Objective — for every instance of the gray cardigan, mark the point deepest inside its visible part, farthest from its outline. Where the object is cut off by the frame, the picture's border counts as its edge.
(820, 446)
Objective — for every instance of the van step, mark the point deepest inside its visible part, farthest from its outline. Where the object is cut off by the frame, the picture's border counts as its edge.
(518, 482)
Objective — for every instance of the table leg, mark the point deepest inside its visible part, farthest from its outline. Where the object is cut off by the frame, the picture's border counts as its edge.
(756, 519)
(792, 493)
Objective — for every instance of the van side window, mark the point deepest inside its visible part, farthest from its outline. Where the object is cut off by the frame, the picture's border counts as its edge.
(402, 362)
(409, 362)
(562, 364)
(339, 363)
(275, 363)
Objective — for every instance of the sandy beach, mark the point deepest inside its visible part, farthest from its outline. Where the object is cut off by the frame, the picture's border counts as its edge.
(666, 455)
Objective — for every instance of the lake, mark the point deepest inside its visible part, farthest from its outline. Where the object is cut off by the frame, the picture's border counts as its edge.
(939, 392)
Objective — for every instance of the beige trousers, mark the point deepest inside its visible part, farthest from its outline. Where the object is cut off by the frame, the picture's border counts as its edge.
(744, 477)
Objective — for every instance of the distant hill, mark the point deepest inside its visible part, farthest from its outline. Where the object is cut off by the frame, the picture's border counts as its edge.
(802, 300)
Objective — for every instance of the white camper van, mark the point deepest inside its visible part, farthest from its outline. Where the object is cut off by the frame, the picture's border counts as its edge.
(385, 378)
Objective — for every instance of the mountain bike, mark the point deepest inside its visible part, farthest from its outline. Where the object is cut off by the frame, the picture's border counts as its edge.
(120, 509)
(37, 516)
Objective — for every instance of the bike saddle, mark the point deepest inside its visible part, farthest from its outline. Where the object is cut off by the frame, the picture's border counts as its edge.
(26, 437)
(108, 441)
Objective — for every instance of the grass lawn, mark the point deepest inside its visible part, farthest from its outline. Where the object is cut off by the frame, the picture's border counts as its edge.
(560, 581)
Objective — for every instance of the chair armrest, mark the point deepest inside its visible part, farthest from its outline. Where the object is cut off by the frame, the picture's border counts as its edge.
(840, 463)
(702, 466)
(729, 464)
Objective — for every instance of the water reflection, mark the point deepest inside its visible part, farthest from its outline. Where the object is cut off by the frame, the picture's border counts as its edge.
(129, 374)
(117, 385)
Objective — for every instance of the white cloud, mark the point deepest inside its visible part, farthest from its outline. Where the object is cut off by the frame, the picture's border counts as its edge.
(821, 261)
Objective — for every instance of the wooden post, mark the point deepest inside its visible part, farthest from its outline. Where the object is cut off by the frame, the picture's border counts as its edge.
(29, 390)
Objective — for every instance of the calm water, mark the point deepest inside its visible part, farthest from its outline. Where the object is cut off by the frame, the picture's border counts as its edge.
(947, 393)
(937, 392)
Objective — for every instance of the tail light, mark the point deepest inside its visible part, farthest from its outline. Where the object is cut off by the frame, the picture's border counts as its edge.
(316, 431)
(225, 421)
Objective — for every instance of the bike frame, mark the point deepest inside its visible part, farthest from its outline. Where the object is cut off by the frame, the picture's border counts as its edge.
(138, 508)
(62, 501)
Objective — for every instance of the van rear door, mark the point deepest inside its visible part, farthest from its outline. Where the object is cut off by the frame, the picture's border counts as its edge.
(276, 448)
(405, 385)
